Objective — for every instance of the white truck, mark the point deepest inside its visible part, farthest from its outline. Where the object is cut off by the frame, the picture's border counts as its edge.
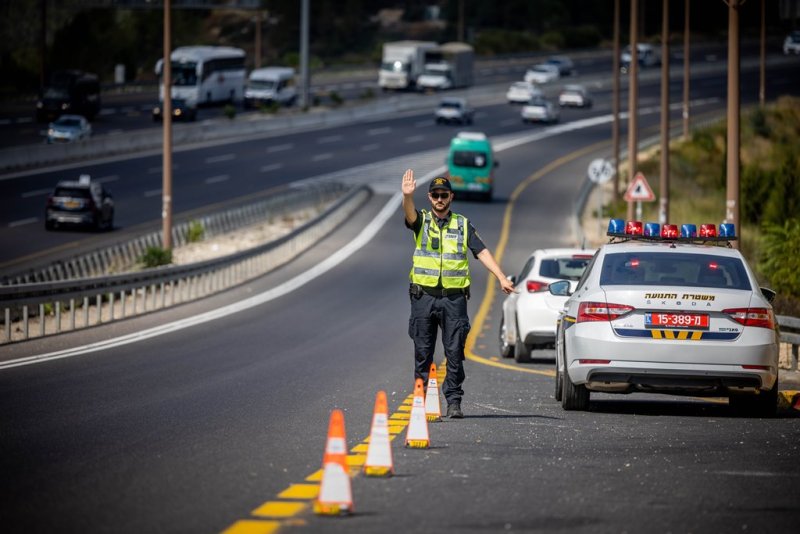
(402, 63)
(448, 66)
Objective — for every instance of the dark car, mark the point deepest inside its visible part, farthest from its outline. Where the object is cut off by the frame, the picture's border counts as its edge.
(81, 202)
(181, 110)
(69, 92)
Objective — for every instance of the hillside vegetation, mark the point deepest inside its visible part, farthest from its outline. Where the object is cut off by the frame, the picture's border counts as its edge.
(769, 197)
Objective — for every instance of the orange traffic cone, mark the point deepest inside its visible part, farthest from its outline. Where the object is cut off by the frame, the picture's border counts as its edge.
(433, 409)
(379, 451)
(417, 433)
(335, 496)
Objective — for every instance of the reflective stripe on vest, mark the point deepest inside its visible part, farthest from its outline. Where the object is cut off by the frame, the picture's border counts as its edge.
(449, 261)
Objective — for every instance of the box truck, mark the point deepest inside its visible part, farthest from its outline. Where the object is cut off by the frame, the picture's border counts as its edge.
(448, 66)
(402, 63)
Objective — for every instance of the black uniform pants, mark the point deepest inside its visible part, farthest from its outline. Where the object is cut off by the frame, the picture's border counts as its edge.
(428, 314)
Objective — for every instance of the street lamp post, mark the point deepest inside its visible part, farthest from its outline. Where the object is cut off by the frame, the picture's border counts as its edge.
(633, 98)
(663, 212)
(732, 207)
(166, 115)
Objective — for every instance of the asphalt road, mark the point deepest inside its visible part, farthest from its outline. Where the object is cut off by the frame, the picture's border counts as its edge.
(194, 430)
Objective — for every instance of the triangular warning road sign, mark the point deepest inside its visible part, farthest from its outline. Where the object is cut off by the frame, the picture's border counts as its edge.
(639, 190)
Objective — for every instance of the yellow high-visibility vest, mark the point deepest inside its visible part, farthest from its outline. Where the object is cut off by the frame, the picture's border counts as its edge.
(449, 260)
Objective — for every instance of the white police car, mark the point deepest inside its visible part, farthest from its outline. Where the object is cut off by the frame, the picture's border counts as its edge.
(660, 312)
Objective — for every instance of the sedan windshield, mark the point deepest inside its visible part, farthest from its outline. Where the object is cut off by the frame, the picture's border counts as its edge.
(674, 269)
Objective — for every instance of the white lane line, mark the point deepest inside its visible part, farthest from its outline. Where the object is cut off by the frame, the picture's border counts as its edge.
(106, 111)
(218, 179)
(329, 139)
(320, 157)
(36, 193)
(157, 170)
(152, 193)
(24, 120)
(280, 148)
(107, 179)
(271, 167)
(379, 131)
(220, 158)
(116, 132)
(422, 124)
(22, 222)
(414, 138)
(364, 238)
(509, 122)
(371, 146)
(5, 122)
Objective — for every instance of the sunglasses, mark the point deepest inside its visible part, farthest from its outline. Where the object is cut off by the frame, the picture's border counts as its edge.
(437, 196)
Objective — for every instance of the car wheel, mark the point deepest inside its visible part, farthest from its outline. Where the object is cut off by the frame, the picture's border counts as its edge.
(573, 396)
(506, 350)
(765, 404)
(522, 352)
(49, 225)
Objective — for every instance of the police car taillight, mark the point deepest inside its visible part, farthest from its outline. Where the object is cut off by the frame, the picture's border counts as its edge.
(601, 311)
(760, 317)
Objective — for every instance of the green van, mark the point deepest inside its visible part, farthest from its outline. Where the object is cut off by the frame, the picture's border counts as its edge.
(471, 164)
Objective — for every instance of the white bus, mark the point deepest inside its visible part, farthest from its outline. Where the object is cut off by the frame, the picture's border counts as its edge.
(205, 74)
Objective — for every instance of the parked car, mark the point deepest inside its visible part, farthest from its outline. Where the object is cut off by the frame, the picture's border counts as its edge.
(565, 65)
(81, 202)
(530, 316)
(454, 111)
(522, 92)
(542, 73)
(68, 128)
(182, 110)
(658, 311)
(540, 110)
(791, 45)
(574, 96)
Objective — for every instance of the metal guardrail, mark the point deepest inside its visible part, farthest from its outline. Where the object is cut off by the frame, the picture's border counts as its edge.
(124, 255)
(790, 333)
(41, 309)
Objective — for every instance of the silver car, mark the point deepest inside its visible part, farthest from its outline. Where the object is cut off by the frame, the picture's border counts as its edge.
(540, 110)
(68, 128)
(668, 315)
(454, 111)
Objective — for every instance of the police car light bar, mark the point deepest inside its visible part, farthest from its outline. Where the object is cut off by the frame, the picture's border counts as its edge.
(619, 228)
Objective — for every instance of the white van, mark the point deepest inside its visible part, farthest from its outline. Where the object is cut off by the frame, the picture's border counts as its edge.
(271, 84)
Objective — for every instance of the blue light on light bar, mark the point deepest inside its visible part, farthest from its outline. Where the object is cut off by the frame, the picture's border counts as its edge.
(652, 229)
(688, 230)
(616, 226)
(727, 230)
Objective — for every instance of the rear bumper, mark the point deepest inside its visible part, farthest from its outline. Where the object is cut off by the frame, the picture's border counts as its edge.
(70, 217)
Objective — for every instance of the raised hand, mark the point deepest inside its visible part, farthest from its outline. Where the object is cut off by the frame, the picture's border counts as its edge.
(409, 183)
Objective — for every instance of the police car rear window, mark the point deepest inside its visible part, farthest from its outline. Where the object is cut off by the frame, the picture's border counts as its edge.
(469, 158)
(72, 192)
(674, 269)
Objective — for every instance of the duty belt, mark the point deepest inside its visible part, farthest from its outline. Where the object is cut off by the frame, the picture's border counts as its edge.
(440, 291)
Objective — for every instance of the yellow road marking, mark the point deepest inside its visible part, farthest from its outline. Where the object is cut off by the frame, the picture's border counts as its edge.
(300, 491)
(250, 526)
(279, 509)
(316, 476)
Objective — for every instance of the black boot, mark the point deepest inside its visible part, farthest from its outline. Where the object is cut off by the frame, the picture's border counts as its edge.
(454, 411)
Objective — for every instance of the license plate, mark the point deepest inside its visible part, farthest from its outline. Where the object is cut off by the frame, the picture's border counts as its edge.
(676, 320)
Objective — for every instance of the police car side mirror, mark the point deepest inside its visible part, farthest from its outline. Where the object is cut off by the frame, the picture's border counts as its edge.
(768, 293)
(560, 288)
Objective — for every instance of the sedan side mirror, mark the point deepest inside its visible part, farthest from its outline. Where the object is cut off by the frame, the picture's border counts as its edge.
(560, 288)
(768, 293)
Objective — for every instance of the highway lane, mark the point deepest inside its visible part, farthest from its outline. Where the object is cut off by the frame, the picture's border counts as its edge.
(192, 431)
(228, 171)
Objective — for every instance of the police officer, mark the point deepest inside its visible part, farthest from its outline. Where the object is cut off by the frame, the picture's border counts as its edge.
(440, 282)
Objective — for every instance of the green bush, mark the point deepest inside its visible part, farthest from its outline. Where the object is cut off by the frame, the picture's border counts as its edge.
(156, 256)
(272, 107)
(367, 94)
(229, 111)
(495, 41)
(780, 256)
(336, 98)
(196, 232)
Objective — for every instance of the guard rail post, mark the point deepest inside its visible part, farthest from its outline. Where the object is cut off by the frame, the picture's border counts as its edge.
(790, 333)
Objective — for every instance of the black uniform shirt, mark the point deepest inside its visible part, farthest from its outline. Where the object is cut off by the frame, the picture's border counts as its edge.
(474, 241)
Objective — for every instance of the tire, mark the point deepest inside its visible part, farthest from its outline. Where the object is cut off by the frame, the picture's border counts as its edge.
(573, 396)
(765, 404)
(522, 352)
(49, 225)
(506, 350)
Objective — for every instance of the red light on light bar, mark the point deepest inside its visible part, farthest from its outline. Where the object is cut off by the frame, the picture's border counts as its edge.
(708, 230)
(669, 231)
(594, 362)
(634, 228)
